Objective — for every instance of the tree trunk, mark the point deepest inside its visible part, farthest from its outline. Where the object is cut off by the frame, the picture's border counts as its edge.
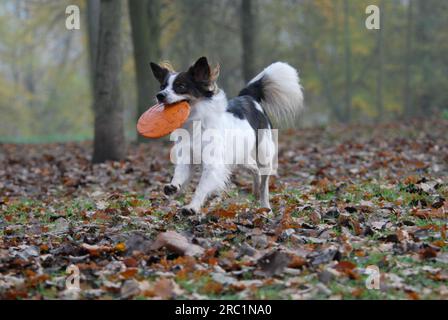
(334, 103)
(109, 141)
(153, 12)
(248, 39)
(142, 57)
(423, 30)
(379, 83)
(154, 9)
(348, 62)
(93, 19)
(407, 86)
(145, 25)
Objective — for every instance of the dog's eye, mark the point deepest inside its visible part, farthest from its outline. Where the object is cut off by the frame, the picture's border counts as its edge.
(163, 87)
(181, 87)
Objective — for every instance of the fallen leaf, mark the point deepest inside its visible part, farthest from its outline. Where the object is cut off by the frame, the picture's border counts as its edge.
(121, 247)
(165, 288)
(274, 263)
(297, 262)
(129, 289)
(178, 243)
(427, 253)
(324, 256)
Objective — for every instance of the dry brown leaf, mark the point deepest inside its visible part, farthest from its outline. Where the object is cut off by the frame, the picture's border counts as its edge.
(429, 213)
(297, 262)
(178, 243)
(95, 250)
(428, 253)
(165, 288)
(274, 263)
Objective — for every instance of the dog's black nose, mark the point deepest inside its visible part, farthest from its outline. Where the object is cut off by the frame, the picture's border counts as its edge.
(161, 97)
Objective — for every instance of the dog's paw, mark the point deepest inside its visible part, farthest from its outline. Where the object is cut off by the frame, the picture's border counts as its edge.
(188, 211)
(170, 189)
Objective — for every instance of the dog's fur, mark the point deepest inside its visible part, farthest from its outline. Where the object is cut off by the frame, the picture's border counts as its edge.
(273, 99)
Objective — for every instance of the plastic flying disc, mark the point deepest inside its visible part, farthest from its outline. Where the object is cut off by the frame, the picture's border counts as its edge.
(161, 120)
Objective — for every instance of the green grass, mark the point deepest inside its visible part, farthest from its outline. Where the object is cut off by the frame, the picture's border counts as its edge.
(273, 292)
(21, 212)
(326, 196)
(445, 114)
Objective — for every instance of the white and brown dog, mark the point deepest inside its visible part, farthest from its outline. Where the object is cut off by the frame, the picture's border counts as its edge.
(272, 100)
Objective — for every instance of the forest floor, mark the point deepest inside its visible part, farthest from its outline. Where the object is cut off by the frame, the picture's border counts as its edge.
(347, 201)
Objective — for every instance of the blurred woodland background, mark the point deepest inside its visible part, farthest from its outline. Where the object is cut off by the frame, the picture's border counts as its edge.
(363, 183)
(350, 74)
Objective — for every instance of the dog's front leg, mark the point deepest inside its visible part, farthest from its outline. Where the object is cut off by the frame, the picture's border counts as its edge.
(214, 178)
(182, 174)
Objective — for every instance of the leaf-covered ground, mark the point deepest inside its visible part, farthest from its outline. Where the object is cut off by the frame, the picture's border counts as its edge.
(345, 198)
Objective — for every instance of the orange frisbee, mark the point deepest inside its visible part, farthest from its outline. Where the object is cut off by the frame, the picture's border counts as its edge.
(161, 120)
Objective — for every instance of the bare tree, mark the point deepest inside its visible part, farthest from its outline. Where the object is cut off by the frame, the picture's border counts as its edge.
(407, 87)
(140, 39)
(380, 76)
(425, 56)
(154, 10)
(145, 24)
(93, 18)
(109, 140)
(348, 62)
(248, 38)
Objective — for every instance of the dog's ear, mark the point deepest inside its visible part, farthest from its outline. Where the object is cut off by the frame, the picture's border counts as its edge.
(159, 72)
(215, 73)
(200, 72)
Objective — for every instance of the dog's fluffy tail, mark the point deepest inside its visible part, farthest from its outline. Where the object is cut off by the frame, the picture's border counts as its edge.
(279, 92)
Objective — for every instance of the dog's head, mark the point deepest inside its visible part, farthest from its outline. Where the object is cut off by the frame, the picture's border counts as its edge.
(199, 82)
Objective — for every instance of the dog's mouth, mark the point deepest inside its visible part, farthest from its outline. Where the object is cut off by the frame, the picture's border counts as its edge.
(169, 103)
(184, 100)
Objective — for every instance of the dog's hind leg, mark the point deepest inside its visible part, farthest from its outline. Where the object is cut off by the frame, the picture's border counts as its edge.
(266, 159)
(264, 192)
(256, 186)
(255, 172)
